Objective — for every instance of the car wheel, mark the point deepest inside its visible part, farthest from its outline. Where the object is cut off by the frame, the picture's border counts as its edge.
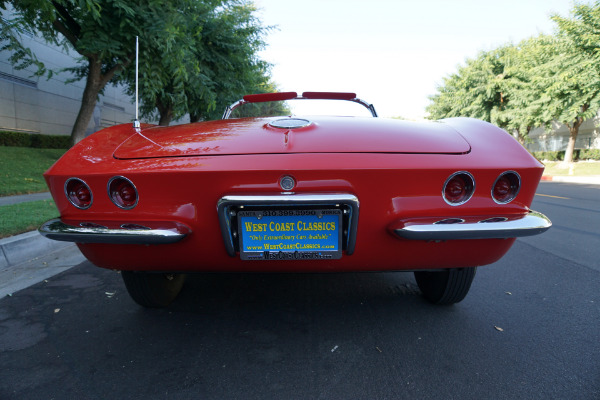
(153, 290)
(445, 287)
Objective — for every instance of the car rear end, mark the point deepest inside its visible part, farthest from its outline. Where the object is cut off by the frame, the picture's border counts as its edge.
(394, 195)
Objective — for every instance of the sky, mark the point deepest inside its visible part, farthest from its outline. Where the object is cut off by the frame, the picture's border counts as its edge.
(391, 53)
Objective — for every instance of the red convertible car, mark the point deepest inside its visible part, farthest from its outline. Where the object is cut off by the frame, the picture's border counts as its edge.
(296, 194)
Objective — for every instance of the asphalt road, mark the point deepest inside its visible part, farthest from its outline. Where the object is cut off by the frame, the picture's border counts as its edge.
(529, 329)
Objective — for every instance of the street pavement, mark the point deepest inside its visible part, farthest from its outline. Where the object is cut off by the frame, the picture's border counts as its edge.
(527, 330)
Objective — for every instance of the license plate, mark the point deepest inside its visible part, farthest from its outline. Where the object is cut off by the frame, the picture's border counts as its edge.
(290, 234)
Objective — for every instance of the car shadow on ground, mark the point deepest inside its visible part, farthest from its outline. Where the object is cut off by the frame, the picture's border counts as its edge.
(226, 335)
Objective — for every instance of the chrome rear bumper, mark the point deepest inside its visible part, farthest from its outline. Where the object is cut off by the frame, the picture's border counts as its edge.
(530, 224)
(168, 232)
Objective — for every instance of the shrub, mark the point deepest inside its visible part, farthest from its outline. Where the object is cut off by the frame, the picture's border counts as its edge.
(50, 141)
(578, 155)
(15, 139)
(549, 155)
(590, 154)
(22, 139)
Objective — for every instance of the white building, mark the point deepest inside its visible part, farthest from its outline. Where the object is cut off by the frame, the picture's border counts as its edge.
(49, 106)
(556, 140)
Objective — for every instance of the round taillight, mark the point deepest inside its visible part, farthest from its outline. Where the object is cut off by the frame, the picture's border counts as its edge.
(459, 188)
(78, 193)
(122, 192)
(506, 187)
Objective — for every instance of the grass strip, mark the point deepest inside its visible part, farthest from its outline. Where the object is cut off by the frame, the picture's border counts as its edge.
(25, 217)
(21, 169)
(581, 168)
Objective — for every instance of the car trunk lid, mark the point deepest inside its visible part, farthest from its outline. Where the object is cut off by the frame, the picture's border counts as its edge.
(289, 135)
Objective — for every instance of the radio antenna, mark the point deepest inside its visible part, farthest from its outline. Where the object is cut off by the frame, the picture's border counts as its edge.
(136, 121)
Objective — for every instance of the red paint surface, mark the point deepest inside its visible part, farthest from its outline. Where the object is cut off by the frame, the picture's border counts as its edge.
(396, 169)
(323, 135)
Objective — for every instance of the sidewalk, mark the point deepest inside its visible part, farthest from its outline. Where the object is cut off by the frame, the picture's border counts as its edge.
(32, 259)
(588, 180)
(29, 258)
(17, 249)
(23, 198)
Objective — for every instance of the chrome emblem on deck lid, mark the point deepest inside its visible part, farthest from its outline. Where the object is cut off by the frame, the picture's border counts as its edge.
(290, 123)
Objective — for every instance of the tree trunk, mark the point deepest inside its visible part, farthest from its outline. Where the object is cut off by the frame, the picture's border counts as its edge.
(166, 113)
(165, 119)
(93, 85)
(573, 130)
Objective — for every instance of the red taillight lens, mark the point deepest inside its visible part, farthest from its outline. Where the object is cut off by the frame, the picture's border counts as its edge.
(122, 192)
(78, 193)
(506, 187)
(459, 188)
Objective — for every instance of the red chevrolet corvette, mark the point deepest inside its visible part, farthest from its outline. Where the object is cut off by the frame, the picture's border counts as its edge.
(296, 194)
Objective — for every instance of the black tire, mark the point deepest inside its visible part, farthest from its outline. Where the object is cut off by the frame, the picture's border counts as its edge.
(153, 290)
(445, 287)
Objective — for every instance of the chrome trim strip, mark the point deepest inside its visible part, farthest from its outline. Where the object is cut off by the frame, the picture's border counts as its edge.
(229, 109)
(225, 204)
(369, 106)
(531, 224)
(448, 221)
(55, 229)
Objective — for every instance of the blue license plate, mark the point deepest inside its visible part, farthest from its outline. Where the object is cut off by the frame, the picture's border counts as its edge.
(290, 234)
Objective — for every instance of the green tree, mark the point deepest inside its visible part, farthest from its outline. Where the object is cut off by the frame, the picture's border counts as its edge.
(525, 109)
(182, 67)
(573, 78)
(542, 80)
(480, 89)
(101, 31)
(234, 39)
(212, 59)
(168, 73)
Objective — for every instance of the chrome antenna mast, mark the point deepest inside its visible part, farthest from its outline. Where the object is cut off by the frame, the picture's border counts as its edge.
(136, 121)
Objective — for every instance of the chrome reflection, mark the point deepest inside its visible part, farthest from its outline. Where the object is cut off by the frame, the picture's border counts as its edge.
(290, 123)
(57, 230)
(530, 224)
(448, 221)
(494, 219)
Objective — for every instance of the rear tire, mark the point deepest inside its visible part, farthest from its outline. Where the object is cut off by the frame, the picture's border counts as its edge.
(153, 290)
(445, 287)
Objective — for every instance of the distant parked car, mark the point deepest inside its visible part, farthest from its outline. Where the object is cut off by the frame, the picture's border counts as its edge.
(296, 194)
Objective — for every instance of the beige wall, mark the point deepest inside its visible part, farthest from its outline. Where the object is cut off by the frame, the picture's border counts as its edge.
(39, 105)
(556, 140)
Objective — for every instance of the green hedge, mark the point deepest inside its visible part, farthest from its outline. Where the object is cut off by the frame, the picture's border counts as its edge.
(578, 155)
(590, 154)
(22, 139)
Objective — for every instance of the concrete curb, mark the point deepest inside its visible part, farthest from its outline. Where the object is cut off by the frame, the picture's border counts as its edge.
(30, 258)
(588, 180)
(26, 246)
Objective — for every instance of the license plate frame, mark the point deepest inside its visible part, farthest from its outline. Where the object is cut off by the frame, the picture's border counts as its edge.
(290, 234)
